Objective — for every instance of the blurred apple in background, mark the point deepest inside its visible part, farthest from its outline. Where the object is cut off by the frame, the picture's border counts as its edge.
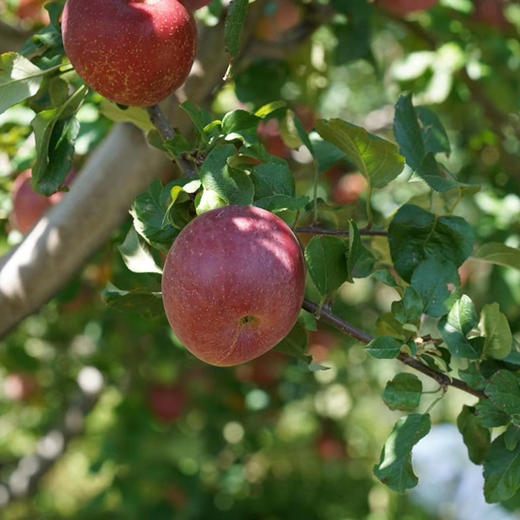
(167, 402)
(265, 371)
(321, 342)
(29, 206)
(280, 16)
(491, 12)
(349, 188)
(32, 11)
(330, 448)
(20, 386)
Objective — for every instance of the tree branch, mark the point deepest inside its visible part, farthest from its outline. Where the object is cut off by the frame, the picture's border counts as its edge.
(443, 380)
(340, 232)
(167, 132)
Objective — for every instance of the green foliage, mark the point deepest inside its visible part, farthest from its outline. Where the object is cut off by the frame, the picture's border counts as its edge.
(395, 465)
(476, 437)
(403, 392)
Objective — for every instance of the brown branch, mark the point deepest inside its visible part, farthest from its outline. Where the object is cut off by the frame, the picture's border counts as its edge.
(443, 380)
(340, 232)
(167, 132)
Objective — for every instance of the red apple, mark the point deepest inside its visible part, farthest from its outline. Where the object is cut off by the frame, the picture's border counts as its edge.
(134, 52)
(403, 7)
(233, 284)
(167, 402)
(321, 343)
(491, 12)
(279, 17)
(20, 386)
(28, 205)
(330, 448)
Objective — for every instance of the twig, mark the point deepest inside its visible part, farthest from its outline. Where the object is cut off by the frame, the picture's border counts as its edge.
(167, 132)
(340, 232)
(443, 380)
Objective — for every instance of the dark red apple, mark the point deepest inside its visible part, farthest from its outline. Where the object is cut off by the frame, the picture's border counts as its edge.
(28, 205)
(134, 52)
(279, 17)
(167, 402)
(20, 386)
(233, 284)
(403, 7)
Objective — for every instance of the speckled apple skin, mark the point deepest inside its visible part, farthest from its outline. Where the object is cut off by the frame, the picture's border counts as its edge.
(403, 7)
(228, 264)
(132, 52)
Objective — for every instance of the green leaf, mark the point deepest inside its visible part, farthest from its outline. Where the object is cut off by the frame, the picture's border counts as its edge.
(378, 160)
(295, 343)
(500, 254)
(199, 117)
(355, 249)
(55, 132)
(136, 254)
(420, 135)
(395, 465)
(143, 301)
(242, 125)
(435, 137)
(512, 437)
(476, 438)
(148, 211)
(495, 328)
(387, 325)
(430, 279)
(473, 377)
(325, 256)
(273, 178)
(135, 115)
(504, 391)
(384, 347)
(19, 79)
(326, 154)
(282, 202)
(269, 108)
(410, 308)
(489, 416)
(501, 471)
(235, 20)
(403, 392)
(415, 234)
(234, 186)
(455, 327)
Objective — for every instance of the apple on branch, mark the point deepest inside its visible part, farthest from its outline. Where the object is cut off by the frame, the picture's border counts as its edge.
(233, 284)
(133, 52)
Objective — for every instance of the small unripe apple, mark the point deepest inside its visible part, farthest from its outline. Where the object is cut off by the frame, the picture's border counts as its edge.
(133, 52)
(28, 205)
(233, 284)
(280, 16)
(403, 7)
(167, 402)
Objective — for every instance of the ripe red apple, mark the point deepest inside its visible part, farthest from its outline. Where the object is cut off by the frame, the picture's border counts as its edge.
(29, 206)
(491, 12)
(20, 386)
(233, 284)
(403, 7)
(279, 17)
(167, 402)
(134, 52)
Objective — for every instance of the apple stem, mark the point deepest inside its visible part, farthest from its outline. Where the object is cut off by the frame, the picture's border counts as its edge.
(346, 328)
(167, 133)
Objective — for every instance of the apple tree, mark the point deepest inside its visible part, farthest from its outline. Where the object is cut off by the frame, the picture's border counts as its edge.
(321, 196)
